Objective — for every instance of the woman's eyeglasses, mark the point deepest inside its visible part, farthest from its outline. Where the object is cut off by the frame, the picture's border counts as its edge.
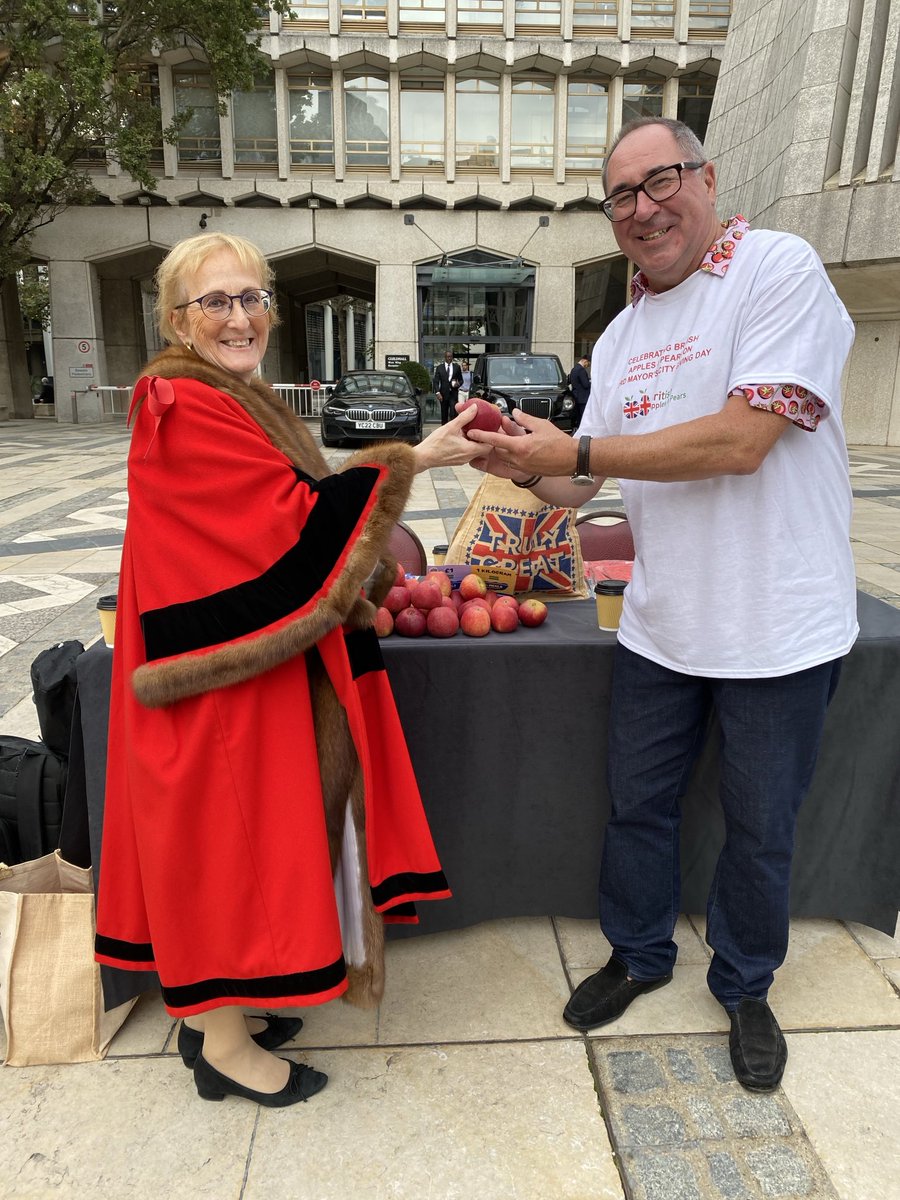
(219, 305)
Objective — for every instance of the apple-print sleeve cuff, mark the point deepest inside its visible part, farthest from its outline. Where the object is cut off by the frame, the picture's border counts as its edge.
(797, 404)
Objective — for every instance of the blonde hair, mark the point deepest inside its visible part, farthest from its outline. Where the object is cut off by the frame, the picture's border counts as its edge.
(186, 257)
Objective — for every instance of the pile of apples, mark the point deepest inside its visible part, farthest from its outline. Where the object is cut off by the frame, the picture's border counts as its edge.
(430, 605)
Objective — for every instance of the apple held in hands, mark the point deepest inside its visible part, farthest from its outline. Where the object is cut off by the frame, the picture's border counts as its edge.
(487, 416)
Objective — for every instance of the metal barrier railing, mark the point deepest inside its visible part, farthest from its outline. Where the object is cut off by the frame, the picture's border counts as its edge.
(114, 401)
(302, 399)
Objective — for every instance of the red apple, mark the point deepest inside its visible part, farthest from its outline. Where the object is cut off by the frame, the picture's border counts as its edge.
(487, 416)
(509, 601)
(442, 622)
(397, 599)
(504, 618)
(478, 602)
(442, 580)
(456, 599)
(384, 622)
(409, 623)
(532, 612)
(400, 577)
(425, 595)
(471, 586)
(447, 602)
(476, 622)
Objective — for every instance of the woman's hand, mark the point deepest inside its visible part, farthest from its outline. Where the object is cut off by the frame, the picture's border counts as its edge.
(448, 445)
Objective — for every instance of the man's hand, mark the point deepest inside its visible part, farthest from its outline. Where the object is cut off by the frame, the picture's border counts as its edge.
(545, 451)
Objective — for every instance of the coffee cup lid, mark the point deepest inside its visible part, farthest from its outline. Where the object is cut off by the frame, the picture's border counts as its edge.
(610, 587)
(107, 602)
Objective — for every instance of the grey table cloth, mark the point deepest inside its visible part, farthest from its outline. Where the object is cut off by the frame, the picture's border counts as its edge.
(508, 738)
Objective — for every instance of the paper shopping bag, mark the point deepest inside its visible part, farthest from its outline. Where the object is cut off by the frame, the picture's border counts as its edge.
(50, 995)
(519, 544)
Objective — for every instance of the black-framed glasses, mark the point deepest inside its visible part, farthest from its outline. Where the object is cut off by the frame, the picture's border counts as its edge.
(219, 305)
(659, 185)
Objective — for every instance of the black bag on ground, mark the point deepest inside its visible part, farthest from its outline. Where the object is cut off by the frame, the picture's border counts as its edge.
(53, 682)
(32, 792)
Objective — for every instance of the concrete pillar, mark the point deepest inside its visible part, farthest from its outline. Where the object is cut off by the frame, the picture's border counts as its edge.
(167, 116)
(79, 347)
(328, 339)
(350, 364)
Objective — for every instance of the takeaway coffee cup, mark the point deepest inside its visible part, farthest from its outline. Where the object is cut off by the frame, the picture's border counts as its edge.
(106, 607)
(608, 594)
(439, 555)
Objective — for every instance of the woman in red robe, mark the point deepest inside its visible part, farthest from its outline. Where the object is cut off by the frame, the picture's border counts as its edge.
(262, 817)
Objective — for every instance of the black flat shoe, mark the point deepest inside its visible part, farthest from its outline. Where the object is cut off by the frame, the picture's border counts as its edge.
(302, 1083)
(757, 1046)
(605, 995)
(278, 1031)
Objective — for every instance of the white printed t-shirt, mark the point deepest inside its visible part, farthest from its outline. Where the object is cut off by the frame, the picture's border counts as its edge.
(735, 576)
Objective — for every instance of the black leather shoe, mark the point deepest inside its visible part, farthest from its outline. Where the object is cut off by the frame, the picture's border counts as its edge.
(606, 994)
(302, 1083)
(757, 1045)
(278, 1031)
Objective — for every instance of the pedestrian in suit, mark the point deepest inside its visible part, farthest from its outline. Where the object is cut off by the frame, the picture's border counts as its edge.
(446, 382)
(580, 383)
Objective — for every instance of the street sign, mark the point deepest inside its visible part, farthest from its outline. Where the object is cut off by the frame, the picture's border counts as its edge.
(314, 383)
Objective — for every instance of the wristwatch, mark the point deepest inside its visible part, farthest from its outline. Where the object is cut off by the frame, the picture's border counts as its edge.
(583, 476)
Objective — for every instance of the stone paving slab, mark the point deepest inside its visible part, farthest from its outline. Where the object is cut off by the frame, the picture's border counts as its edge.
(684, 1128)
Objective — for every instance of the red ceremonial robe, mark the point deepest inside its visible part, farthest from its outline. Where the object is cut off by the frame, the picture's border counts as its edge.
(262, 817)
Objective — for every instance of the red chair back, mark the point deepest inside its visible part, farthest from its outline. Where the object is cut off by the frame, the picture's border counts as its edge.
(405, 546)
(604, 541)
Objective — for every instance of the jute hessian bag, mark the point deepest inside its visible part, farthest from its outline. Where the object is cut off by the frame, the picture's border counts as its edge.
(519, 544)
(51, 999)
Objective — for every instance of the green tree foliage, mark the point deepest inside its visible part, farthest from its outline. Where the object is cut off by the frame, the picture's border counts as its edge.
(71, 86)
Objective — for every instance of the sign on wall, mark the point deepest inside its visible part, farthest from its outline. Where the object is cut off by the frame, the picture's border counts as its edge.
(392, 361)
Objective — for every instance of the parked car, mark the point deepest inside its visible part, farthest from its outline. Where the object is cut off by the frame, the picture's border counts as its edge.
(372, 406)
(535, 383)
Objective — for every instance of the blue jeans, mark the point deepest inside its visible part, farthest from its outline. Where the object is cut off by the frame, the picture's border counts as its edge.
(771, 730)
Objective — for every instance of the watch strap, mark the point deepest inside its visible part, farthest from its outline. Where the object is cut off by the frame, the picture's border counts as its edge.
(583, 462)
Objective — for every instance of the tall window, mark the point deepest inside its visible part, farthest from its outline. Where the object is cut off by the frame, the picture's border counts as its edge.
(587, 116)
(652, 16)
(539, 16)
(477, 123)
(642, 97)
(484, 15)
(422, 119)
(148, 90)
(422, 15)
(695, 97)
(707, 17)
(595, 16)
(531, 147)
(255, 125)
(310, 120)
(368, 128)
(199, 142)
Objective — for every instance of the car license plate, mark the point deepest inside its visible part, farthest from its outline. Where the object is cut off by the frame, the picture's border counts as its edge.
(370, 425)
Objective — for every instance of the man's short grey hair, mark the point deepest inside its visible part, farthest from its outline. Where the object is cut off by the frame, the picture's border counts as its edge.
(688, 142)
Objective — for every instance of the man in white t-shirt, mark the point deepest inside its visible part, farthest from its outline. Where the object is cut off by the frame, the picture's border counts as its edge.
(715, 400)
